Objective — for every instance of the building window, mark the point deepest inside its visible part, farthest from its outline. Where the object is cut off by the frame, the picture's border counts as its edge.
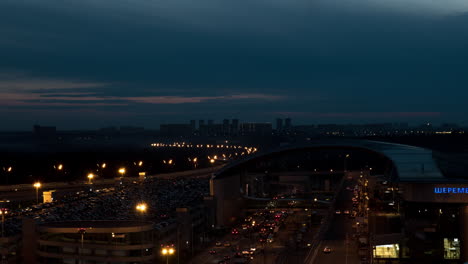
(451, 248)
(387, 251)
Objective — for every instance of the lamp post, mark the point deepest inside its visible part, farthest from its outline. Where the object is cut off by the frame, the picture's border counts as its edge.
(3, 212)
(167, 251)
(90, 178)
(37, 185)
(345, 162)
(8, 171)
(122, 173)
(141, 208)
(82, 232)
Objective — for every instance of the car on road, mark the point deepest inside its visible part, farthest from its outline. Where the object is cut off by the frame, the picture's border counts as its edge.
(227, 244)
(337, 212)
(245, 252)
(212, 252)
(218, 244)
(346, 212)
(327, 250)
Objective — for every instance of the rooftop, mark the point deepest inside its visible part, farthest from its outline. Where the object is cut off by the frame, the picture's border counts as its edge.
(413, 164)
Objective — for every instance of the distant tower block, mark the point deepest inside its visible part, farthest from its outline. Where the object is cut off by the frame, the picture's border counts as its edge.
(279, 124)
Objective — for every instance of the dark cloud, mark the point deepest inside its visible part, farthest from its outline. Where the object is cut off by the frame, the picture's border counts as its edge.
(319, 57)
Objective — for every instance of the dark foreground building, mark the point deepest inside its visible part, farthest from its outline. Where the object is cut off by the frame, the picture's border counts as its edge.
(88, 242)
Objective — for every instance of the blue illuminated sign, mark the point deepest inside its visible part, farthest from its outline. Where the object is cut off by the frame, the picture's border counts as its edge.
(450, 190)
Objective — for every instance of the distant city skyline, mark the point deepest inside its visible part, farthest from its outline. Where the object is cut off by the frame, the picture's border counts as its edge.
(205, 122)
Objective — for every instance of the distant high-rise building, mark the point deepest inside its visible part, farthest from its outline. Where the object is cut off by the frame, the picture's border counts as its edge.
(279, 124)
(193, 125)
(259, 129)
(210, 122)
(287, 123)
(201, 123)
(234, 126)
(226, 126)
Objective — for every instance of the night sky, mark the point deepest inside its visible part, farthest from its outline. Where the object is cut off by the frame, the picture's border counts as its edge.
(95, 63)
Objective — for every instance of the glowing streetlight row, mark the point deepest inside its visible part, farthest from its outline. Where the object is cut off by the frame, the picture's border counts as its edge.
(181, 145)
(122, 171)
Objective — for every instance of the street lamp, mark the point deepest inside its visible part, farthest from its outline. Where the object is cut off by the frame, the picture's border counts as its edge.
(122, 172)
(82, 232)
(37, 185)
(141, 207)
(90, 178)
(3, 212)
(167, 251)
(345, 162)
(8, 171)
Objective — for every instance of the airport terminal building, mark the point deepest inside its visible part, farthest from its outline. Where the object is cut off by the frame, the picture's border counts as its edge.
(418, 213)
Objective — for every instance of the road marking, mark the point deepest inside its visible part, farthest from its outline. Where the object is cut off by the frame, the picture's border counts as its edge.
(312, 260)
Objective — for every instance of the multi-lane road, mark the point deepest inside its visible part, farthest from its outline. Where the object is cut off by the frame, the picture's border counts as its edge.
(285, 247)
(339, 237)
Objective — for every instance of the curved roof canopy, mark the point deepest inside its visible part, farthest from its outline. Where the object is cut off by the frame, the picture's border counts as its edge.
(413, 164)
